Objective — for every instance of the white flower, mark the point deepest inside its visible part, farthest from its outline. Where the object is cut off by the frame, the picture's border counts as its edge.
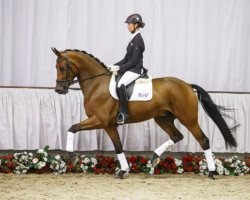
(41, 164)
(45, 159)
(217, 162)
(40, 151)
(180, 170)
(86, 160)
(58, 157)
(16, 156)
(31, 154)
(35, 160)
(243, 163)
(17, 172)
(45, 154)
(152, 170)
(94, 161)
(230, 160)
(24, 171)
(204, 167)
(0, 162)
(57, 167)
(23, 157)
(62, 165)
(227, 172)
(220, 170)
(235, 157)
(238, 161)
(177, 162)
(85, 168)
(93, 165)
(232, 165)
(149, 165)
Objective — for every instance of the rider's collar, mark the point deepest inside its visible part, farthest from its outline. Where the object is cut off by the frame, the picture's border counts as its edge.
(134, 34)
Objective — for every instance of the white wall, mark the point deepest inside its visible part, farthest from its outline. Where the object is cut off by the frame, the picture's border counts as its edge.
(206, 42)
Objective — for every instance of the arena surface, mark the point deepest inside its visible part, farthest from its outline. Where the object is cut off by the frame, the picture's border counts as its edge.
(134, 186)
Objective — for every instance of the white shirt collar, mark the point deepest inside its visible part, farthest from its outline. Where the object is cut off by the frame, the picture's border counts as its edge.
(134, 34)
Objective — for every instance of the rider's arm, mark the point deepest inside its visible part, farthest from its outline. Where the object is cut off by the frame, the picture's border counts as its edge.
(137, 55)
(124, 60)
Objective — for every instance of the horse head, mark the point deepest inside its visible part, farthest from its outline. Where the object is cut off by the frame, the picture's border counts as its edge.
(65, 72)
(75, 63)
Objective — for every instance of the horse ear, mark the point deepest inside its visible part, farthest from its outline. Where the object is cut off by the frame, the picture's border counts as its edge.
(56, 52)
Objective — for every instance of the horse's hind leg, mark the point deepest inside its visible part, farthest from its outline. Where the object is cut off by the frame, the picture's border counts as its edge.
(204, 142)
(167, 124)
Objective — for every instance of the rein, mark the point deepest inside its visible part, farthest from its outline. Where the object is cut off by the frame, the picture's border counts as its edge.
(66, 83)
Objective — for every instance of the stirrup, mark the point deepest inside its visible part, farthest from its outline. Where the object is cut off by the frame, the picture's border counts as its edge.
(122, 118)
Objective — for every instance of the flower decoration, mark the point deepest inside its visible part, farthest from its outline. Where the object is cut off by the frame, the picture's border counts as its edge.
(43, 162)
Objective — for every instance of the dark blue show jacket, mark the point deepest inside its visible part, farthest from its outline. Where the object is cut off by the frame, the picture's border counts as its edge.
(133, 60)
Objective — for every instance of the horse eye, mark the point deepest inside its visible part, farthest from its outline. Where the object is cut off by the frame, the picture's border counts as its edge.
(61, 69)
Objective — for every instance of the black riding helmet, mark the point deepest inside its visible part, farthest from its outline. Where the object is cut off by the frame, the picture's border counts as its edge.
(135, 18)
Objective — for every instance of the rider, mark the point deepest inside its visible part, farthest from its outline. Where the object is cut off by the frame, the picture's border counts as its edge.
(131, 66)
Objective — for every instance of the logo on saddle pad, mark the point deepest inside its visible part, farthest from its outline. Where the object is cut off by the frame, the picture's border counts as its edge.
(141, 90)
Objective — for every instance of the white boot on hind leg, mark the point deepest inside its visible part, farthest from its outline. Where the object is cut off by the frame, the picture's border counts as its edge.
(210, 160)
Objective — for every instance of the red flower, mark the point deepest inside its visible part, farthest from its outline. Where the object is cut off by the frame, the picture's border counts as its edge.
(188, 168)
(143, 160)
(134, 168)
(157, 171)
(9, 157)
(132, 159)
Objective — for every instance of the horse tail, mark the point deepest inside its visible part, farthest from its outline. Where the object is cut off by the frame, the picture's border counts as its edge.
(215, 112)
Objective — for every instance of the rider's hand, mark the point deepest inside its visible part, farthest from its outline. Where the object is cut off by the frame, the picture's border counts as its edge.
(114, 68)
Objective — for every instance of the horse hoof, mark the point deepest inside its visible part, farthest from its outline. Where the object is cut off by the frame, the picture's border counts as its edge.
(155, 160)
(211, 175)
(73, 157)
(121, 173)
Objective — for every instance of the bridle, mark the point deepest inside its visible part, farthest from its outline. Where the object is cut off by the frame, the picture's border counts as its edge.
(67, 82)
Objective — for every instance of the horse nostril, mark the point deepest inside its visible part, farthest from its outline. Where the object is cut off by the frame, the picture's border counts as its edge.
(57, 90)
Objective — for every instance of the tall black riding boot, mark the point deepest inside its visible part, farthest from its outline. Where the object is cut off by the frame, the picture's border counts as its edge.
(123, 105)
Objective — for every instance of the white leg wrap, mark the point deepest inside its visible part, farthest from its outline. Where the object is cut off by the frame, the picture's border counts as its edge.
(160, 150)
(123, 161)
(210, 160)
(70, 142)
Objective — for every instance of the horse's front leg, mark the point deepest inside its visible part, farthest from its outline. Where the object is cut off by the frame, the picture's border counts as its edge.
(88, 124)
(114, 136)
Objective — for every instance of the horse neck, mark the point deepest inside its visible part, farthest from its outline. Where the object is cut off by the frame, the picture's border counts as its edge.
(89, 67)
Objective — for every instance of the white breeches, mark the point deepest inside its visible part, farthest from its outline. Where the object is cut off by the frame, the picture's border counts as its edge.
(127, 78)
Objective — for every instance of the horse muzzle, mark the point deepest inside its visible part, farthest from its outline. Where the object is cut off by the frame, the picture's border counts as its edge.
(61, 90)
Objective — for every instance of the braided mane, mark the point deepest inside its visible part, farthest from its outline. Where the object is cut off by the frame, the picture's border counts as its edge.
(90, 55)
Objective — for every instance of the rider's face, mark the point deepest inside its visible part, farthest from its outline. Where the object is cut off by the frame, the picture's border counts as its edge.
(131, 27)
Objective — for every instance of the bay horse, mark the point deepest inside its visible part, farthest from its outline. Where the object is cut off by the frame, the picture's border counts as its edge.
(172, 99)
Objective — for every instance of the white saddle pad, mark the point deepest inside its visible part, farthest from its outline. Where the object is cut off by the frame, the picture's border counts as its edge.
(142, 90)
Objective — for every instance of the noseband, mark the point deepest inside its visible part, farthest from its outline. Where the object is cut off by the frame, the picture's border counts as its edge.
(67, 82)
